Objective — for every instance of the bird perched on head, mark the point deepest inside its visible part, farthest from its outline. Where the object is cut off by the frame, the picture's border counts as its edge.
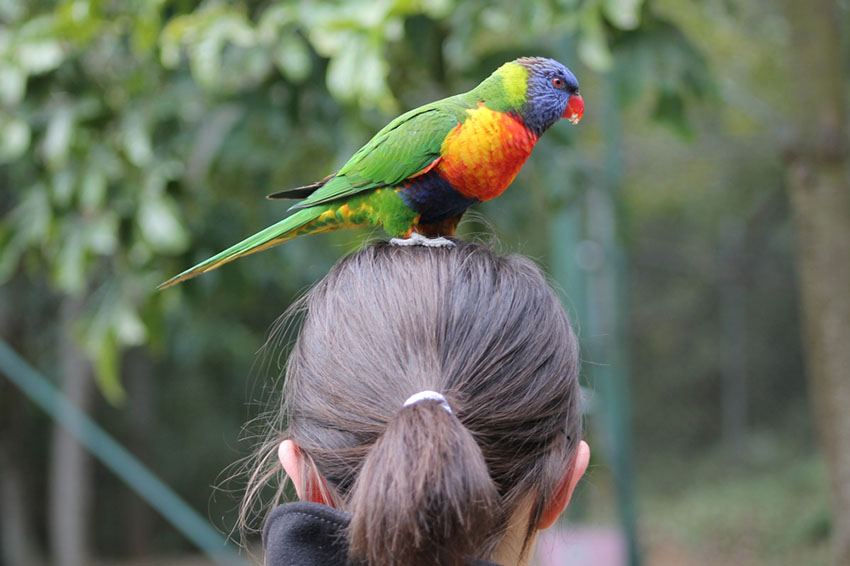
(425, 168)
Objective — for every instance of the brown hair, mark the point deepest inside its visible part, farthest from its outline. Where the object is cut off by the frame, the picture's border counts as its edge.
(423, 485)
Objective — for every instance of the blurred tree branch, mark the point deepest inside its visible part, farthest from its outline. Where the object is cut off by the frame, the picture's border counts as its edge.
(819, 189)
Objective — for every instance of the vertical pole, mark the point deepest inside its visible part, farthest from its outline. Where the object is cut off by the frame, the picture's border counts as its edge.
(613, 301)
(589, 260)
(566, 238)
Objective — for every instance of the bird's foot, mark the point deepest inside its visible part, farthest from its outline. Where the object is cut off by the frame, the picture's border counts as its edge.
(417, 239)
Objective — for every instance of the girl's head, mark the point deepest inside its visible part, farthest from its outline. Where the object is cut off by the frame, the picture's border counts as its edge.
(423, 484)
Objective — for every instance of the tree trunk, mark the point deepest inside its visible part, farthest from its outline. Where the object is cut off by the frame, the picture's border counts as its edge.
(70, 478)
(819, 192)
(17, 539)
(137, 516)
(733, 320)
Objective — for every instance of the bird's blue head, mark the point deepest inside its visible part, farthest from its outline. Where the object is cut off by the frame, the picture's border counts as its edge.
(551, 93)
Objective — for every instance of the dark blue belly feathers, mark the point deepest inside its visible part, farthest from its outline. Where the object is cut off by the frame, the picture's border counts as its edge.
(434, 198)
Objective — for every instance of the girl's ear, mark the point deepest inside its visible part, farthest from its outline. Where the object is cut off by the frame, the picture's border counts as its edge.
(568, 485)
(290, 458)
(293, 464)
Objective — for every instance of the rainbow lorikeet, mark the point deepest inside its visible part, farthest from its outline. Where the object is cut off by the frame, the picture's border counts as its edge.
(425, 168)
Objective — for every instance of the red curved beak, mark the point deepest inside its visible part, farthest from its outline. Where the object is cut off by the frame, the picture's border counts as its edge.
(575, 109)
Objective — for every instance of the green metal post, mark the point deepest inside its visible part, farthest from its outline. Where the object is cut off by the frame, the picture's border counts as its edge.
(566, 236)
(616, 377)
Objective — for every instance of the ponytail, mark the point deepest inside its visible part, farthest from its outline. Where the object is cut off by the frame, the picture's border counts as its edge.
(424, 494)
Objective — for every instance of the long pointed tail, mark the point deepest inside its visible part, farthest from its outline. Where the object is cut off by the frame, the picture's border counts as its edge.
(306, 221)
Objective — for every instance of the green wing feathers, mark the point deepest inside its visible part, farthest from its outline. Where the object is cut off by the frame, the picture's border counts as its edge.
(288, 228)
(407, 145)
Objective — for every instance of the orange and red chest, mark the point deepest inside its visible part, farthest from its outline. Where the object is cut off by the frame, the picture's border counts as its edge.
(481, 156)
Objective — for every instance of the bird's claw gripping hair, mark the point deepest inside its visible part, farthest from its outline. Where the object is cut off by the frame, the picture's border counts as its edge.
(417, 239)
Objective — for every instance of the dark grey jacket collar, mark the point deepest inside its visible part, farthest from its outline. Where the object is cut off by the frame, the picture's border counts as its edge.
(309, 534)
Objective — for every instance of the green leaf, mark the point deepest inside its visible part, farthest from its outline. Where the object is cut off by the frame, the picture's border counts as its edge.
(437, 9)
(33, 216)
(62, 187)
(101, 233)
(39, 57)
(292, 57)
(243, 68)
(159, 223)
(14, 138)
(137, 139)
(77, 22)
(592, 44)
(624, 14)
(92, 188)
(27, 225)
(106, 369)
(274, 20)
(37, 49)
(13, 83)
(57, 140)
(70, 268)
(146, 29)
(129, 327)
(97, 331)
(359, 73)
(343, 68)
(12, 10)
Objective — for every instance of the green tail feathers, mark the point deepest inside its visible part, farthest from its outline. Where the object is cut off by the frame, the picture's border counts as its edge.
(302, 222)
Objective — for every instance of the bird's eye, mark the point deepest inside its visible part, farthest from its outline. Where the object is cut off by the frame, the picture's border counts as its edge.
(558, 82)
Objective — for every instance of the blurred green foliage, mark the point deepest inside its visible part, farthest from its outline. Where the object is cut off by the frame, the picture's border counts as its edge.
(118, 116)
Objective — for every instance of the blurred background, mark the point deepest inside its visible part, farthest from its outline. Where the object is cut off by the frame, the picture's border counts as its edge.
(696, 221)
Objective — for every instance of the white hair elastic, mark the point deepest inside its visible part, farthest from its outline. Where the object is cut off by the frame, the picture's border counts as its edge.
(428, 396)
